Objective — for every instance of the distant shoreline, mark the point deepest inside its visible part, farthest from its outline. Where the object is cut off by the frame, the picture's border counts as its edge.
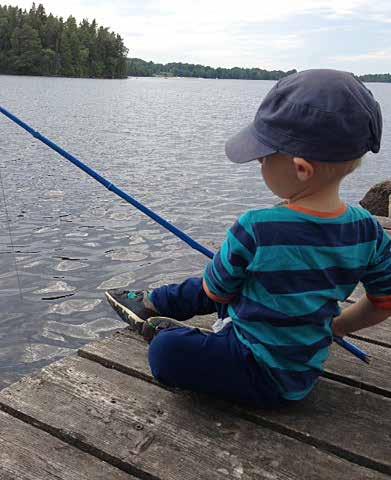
(34, 43)
(202, 78)
(171, 77)
(138, 67)
(37, 75)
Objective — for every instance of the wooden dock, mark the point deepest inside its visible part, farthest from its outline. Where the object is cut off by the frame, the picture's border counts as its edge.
(100, 415)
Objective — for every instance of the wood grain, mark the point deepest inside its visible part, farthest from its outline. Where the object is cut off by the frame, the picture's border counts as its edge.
(352, 427)
(27, 453)
(157, 434)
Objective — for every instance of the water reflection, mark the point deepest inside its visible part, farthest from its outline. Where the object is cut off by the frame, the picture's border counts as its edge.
(163, 142)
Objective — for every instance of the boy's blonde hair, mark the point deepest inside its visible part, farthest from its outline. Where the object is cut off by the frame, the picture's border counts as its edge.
(332, 172)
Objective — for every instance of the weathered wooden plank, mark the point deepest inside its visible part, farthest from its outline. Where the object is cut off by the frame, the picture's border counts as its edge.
(127, 352)
(375, 377)
(27, 453)
(155, 433)
(345, 405)
(344, 417)
(379, 334)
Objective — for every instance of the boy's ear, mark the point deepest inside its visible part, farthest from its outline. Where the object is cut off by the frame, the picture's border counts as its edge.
(304, 169)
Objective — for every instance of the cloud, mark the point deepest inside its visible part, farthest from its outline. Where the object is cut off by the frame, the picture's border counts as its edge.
(277, 34)
(378, 55)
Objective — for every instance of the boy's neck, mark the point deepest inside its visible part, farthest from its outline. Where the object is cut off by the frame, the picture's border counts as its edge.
(327, 200)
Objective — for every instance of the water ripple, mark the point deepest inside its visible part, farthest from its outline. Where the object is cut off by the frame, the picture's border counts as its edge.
(71, 236)
(72, 306)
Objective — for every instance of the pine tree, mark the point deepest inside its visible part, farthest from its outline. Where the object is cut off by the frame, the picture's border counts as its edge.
(34, 43)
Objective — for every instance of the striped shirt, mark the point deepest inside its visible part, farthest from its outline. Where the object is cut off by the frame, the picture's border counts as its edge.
(284, 270)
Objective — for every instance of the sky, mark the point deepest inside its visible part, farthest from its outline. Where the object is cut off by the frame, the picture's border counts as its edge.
(352, 35)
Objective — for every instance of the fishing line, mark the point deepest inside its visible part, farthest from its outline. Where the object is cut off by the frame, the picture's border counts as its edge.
(161, 221)
(8, 221)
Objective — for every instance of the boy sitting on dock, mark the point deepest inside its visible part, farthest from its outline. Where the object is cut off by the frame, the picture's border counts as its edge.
(280, 273)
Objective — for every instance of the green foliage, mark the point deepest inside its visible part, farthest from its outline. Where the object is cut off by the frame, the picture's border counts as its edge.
(376, 77)
(33, 43)
(141, 68)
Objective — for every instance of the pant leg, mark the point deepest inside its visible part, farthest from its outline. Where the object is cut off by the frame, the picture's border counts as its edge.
(183, 301)
(217, 364)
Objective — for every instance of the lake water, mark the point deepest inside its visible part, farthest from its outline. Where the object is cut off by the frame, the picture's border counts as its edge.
(162, 141)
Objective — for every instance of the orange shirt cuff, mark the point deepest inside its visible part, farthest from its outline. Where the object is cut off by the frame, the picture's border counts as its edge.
(214, 297)
(384, 303)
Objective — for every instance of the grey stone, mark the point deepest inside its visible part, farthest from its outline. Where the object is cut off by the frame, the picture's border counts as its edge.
(376, 200)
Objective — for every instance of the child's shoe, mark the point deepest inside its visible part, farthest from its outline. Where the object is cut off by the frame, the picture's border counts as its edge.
(154, 325)
(134, 307)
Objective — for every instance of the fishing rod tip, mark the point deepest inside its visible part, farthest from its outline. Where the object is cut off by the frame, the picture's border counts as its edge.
(367, 359)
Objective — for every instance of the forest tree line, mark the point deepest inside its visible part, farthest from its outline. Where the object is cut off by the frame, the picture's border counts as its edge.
(376, 77)
(140, 68)
(34, 43)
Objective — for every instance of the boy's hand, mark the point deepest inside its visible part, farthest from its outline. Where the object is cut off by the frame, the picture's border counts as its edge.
(360, 315)
(336, 331)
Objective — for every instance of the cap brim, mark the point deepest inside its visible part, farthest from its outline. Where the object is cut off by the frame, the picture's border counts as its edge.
(245, 147)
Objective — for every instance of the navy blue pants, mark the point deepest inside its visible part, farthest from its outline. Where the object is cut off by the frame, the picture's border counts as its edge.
(217, 363)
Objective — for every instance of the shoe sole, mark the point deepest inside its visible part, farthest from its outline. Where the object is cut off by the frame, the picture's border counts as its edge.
(125, 313)
(135, 321)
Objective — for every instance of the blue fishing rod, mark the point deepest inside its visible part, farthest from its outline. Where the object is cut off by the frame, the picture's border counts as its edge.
(110, 186)
(157, 218)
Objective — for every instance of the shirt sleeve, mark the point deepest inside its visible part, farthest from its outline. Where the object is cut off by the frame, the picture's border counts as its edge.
(225, 274)
(377, 278)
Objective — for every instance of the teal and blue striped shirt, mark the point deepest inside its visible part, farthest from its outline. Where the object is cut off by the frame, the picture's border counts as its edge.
(287, 269)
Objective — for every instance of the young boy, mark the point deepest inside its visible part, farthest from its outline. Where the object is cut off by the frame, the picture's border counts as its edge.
(281, 271)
